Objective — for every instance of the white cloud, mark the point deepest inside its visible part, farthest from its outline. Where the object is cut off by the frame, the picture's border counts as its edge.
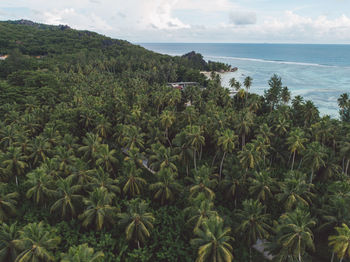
(242, 18)
(171, 20)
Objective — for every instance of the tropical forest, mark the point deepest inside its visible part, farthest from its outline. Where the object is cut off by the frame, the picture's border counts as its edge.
(102, 160)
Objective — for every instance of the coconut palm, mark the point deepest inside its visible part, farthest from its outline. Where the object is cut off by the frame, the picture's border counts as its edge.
(133, 182)
(98, 209)
(203, 183)
(65, 159)
(254, 223)
(294, 192)
(137, 221)
(67, 197)
(167, 119)
(36, 243)
(103, 127)
(91, 145)
(248, 82)
(102, 179)
(8, 202)
(295, 234)
(195, 140)
(231, 184)
(8, 233)
(82, 253)
(262, 185)
(13, 162)
(341, 242)
(166, 186)
(198, 213)
(40, 149)
(249, 157)
(106, 158)
(227, 141)
(212, 240)
(243, 124)
(296, 141)
(132, 137)
(162, 157)
(41, 186)
(315, 156)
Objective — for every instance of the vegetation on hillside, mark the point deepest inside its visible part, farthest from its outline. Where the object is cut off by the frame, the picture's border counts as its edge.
(81, 115)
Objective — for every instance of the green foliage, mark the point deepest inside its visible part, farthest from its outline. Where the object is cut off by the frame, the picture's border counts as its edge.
(87, 123)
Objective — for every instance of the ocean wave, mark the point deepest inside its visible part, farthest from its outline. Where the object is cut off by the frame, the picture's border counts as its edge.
(271, 61)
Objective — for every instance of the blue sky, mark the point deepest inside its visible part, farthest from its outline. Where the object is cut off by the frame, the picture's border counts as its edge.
(253, 21)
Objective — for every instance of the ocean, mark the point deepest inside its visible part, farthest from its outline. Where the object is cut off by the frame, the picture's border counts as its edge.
(320, 73)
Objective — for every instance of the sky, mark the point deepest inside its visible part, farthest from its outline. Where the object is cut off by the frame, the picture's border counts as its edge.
(194, 21)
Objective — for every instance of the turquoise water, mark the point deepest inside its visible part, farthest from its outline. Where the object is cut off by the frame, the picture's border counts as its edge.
(320, 73)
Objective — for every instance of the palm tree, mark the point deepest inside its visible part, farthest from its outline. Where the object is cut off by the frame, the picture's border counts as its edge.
(82, 253)
(103, 127)
(102, 179)
(41, 185)
(8, 233)
(162, 157)
(98, 208)
(226, 141)
(132, 137)
(134, 183)
(295, 233)
(203, 183)
(40, 148)
(138, 222)
(249, 157)
(106, 157)
(199, 213)
(167, 119)
(248, 82)
(341, 242)
(243, 124)
(91, 145)
(195, 141)
(36, 243)
(254, 223)
(232, 184)
(296, 141)
(294, 192)
(315, 155)
(262, 185)
(166, 187)
(235, 84)
(14, 162)
(65, 159)
(67, 198)
(7, 203)
(213, 241)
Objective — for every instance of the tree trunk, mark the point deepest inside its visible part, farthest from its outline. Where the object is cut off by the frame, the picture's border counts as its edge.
(167, 136)
(194, 159)
(212, 163)
(250, 253)
(222, 162)
(347, 166)
(311, 176)
(138, 244)
(341, 260)
(16, 180)
(200, 154)
(332, 258)
(293, 160)
(243, 140)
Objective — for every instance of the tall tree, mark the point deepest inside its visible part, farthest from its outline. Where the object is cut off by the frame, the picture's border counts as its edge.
(213, 241)
(137, 221)
(341, 242)
(226, 141)
(36, 243)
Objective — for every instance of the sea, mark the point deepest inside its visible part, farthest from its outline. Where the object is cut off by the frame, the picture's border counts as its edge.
(317, 72)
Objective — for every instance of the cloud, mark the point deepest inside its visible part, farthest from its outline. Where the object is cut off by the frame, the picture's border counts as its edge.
(242, 18)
